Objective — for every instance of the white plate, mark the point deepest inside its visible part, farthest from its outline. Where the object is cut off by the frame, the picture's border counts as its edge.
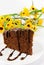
(38, 50)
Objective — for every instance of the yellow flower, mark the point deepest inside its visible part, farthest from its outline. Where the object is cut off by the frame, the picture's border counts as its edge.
(1, 28)
(8, 25)
(12, 26)
(17, 23)
(8, 18)
(34, 27)
(43, 10)
(35, 15)
(25, 12)
(27, 21)
(40, 22)
(2, 19)
(31, 20)
(28, 25)
(32, 8)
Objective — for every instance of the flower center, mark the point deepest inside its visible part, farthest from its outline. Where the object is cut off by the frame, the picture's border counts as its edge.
(1, 28)
(32, 8)
(15, 23)
(8, 19)
(28, 25)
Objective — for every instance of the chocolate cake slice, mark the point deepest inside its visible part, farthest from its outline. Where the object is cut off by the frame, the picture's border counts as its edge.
(19, 39)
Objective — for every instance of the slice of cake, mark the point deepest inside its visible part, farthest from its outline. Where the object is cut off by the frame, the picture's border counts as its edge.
(19, 39)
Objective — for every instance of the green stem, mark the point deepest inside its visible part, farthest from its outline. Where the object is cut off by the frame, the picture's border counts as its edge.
(14, 14)
(35, 11)
(39, 16)
(39, 10)
(24, 18)
(40, 26)
(11, 15)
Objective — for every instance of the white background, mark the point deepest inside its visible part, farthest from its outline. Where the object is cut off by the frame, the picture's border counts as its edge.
(12, 6)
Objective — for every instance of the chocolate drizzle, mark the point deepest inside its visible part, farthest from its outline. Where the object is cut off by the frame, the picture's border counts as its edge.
(22, 58)
(2, 50)
(13, 58)
(1, 54)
